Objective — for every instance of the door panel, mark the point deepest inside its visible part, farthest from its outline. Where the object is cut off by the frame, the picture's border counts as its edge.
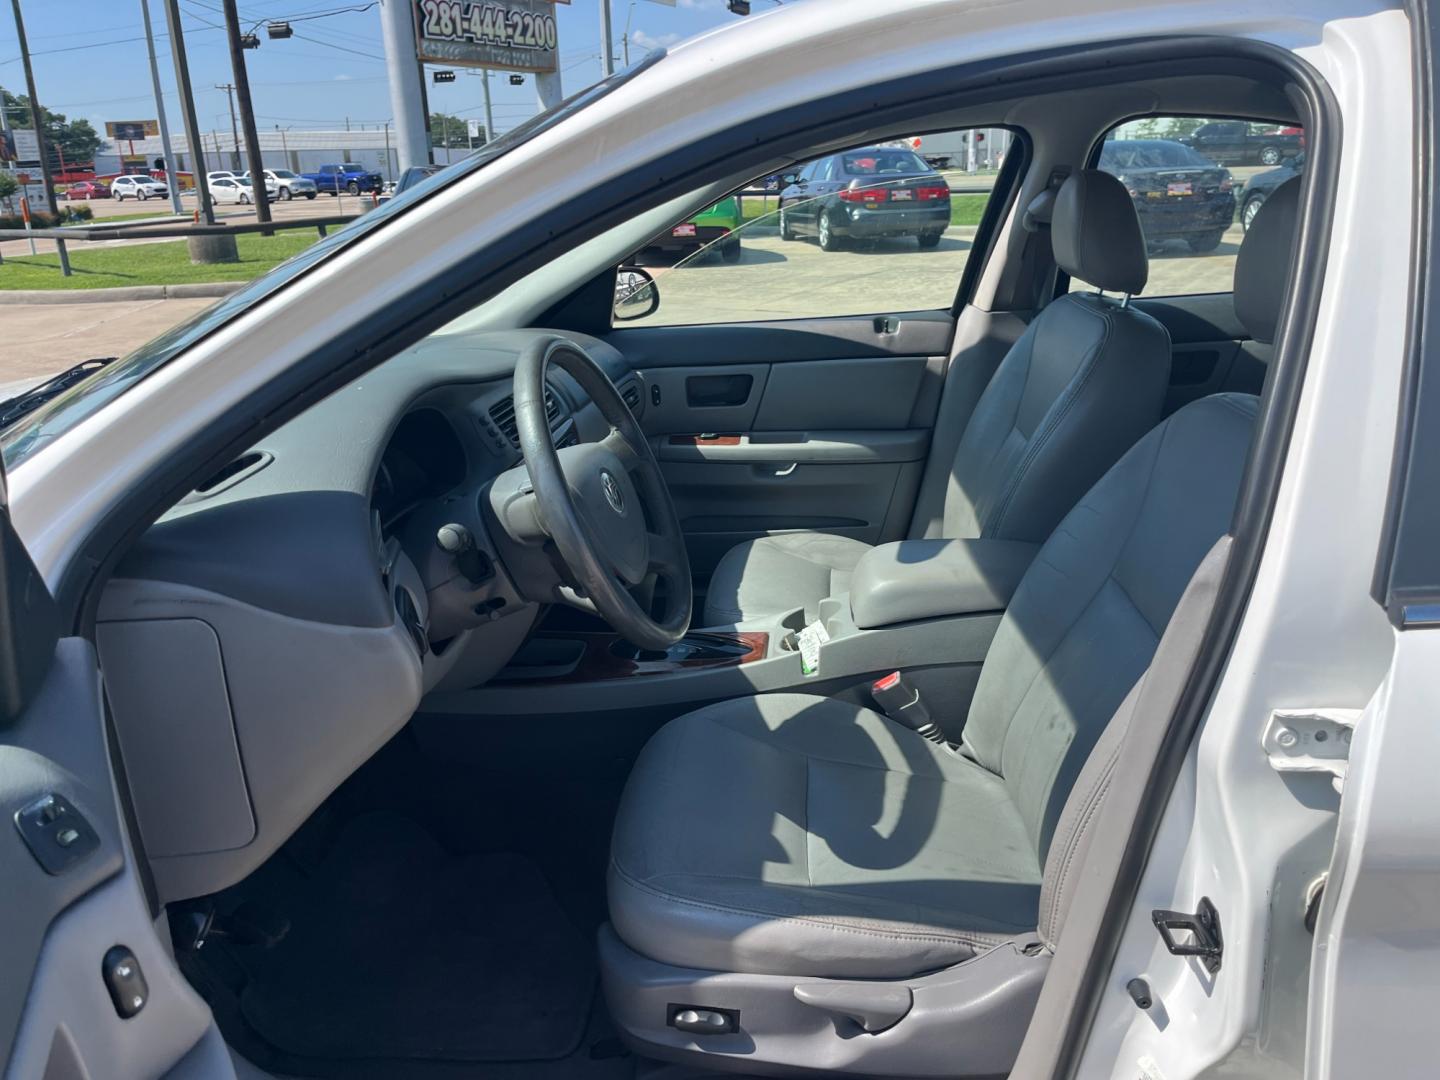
(1211, 352)
(77, 926)
(824, 425)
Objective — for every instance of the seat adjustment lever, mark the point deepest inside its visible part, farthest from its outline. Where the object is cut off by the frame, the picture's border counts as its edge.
(876, 1007)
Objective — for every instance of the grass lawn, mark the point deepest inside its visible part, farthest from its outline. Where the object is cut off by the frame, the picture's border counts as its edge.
(965, 209)
(160, 263)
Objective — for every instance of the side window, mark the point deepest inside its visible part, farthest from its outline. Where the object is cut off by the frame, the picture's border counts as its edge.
(1197, 184)
(879, 228)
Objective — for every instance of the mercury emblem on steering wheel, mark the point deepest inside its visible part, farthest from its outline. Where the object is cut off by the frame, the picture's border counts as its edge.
(613, 495)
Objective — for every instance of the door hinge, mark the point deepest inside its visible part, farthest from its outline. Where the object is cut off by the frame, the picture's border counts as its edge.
(1310, 740)
(1204, 929)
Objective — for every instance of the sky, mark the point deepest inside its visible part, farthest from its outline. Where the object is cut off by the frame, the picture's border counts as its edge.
(89, 64)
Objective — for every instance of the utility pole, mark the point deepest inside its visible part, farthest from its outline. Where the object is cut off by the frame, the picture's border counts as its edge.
(229, 89)
(247, 114)
(187, 109)
(36, 112)
(165, 147)
(607, 53)
(489, 113)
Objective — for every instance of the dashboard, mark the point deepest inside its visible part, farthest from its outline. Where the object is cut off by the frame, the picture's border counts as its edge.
(285, 619)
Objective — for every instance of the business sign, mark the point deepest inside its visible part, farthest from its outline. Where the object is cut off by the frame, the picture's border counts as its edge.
(21, 145)
(511, 35)
(130, 130)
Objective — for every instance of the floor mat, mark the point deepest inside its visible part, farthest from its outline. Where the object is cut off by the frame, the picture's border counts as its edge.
(400, 950)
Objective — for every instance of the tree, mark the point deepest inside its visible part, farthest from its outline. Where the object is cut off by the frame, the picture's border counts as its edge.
(71, 141)
(1164, 127)
(8, 186)
(449, 131)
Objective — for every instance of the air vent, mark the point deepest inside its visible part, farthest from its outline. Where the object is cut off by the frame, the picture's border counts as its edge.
(631, 393)
(230, 474)
(503, 414)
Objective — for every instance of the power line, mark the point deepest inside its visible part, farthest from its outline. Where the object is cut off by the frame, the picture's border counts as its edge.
(342, 48)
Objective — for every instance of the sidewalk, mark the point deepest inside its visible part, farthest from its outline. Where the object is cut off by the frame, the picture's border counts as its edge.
(39, 340)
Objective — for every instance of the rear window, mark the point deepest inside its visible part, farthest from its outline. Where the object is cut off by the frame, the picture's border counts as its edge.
(880, 162)
(1149, 154)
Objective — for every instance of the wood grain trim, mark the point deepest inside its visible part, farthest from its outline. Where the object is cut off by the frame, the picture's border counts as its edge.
(599, 664)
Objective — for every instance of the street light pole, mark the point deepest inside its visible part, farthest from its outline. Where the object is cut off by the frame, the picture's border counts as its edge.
(165, 147)
(187, 109)
(247, 113)
(37, 114)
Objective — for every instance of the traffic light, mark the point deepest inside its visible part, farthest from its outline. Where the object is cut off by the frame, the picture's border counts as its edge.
(739, 7)
(443, 76)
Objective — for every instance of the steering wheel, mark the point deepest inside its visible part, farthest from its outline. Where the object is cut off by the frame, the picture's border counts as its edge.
(600, 501)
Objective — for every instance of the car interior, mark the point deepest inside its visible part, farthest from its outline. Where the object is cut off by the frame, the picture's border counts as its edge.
(520, 709)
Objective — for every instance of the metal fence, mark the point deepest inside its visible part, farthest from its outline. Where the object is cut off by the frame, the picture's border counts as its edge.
(164, 228)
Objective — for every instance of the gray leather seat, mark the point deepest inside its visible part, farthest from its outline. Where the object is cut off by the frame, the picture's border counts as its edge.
(1080, 386)
(804, 837)
(790, 834)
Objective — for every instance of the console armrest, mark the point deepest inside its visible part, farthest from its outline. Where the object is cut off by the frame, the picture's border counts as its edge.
(923, 579)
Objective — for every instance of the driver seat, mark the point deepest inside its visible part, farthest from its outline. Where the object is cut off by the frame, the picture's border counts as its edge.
(797, 881)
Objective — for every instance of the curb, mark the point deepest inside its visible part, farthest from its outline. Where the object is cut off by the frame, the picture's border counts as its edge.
(126, 293)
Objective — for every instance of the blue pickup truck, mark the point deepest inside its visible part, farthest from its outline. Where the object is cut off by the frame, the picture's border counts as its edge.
(345, 177)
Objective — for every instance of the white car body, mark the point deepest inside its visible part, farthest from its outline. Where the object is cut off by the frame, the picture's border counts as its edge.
(236, 189)
(138, 187)
(289, 185)
(1311, 636)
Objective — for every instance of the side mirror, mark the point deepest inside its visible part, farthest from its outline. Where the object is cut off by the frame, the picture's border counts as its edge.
(636, 294)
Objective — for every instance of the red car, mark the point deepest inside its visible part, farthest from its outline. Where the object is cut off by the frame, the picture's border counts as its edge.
(86, 189)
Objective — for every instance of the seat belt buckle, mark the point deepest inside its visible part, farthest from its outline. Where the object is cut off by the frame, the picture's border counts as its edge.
(896, 698)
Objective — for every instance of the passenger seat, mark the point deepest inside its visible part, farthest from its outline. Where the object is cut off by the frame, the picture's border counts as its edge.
(1084, 382)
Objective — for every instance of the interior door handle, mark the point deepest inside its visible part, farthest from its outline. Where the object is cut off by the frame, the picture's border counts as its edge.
(777, 470)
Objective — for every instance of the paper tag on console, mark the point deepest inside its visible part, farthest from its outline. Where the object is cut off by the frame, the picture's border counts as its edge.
(808, 641)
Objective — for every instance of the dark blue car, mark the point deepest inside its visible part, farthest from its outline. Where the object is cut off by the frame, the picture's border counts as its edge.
(1260, 186)
(866, 194)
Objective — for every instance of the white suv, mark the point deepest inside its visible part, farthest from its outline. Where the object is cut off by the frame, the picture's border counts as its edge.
(138, 187)
(290, 184)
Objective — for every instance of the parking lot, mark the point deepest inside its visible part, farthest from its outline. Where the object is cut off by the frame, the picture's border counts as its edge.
(778, 279)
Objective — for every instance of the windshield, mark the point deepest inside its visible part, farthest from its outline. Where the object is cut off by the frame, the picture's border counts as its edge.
(283, 174)
(58, 416)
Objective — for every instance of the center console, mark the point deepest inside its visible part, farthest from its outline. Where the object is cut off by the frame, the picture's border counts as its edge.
(928, 607)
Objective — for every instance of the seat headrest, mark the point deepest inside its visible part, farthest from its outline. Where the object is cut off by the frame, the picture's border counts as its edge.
(1095, 233)
(1262, 269)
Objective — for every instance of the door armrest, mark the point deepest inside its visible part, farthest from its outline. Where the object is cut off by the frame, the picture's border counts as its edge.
(924, 579)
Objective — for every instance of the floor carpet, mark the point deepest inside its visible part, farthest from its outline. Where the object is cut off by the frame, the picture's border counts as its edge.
(400, 950)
